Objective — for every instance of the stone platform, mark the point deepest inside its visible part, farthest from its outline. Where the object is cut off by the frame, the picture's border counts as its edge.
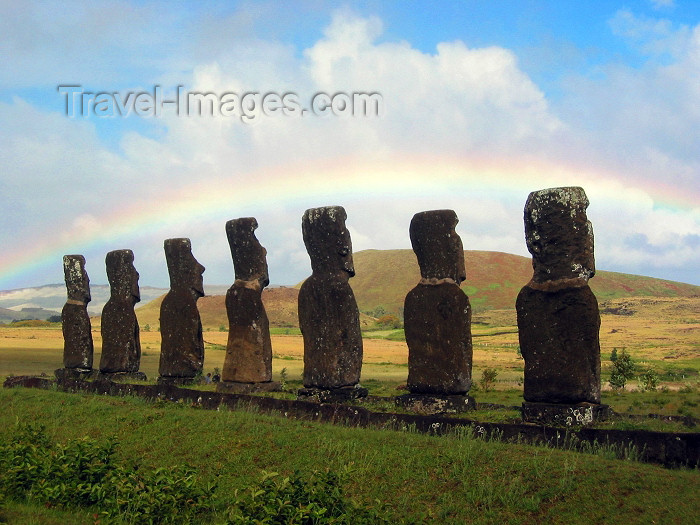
(579, 414)
(334, 395)
(433, 404)
(122, 376)
(77, 374)
(234, 387)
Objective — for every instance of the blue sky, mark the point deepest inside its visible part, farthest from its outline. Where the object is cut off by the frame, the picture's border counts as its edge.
(484, 102)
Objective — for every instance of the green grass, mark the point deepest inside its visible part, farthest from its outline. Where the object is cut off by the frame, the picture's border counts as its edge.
(284, 330)
(451, 479)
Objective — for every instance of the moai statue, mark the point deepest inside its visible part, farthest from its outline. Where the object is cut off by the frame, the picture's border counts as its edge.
(248, 361)
(328, 314)
(182, 345)
(121, 346)
(437, 318)
(77, 336)
(558, 318)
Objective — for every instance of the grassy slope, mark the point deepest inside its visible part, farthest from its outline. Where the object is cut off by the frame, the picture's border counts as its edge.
(280, 305)
(446, 480)
(383, 277)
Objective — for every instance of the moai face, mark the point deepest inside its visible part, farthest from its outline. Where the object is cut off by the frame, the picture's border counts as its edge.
(249, 257)
(184, 270)
(123, 277)
(328, 241)
(559, 235)
(437, 246)
(77, 281)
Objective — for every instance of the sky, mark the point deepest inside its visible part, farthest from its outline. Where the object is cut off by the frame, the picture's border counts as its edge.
(105, 145)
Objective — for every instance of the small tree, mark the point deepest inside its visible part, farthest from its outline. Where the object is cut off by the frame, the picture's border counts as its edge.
(147, 328)
(649, 380)
(488, 378)
(622, 370)
(389, 321)
(613, 355)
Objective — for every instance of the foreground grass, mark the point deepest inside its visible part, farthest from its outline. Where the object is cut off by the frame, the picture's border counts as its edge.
(454, 479)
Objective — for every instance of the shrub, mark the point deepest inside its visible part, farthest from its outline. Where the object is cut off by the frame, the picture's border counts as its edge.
(649, 380)
(294, 500)
(488, 378)
(83, 473)
(389, 321)
(622, 370)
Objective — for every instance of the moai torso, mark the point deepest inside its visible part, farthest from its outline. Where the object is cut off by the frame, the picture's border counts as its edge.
(182, 345)
(249, 349)
(328, 314)
(437, 314)
(121, 346)
(558, 318)
(77, 336)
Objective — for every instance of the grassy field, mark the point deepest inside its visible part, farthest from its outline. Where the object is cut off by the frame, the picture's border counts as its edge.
(450, 479)
(662, 334)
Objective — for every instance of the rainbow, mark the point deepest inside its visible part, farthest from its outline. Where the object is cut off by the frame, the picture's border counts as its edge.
(344, 181)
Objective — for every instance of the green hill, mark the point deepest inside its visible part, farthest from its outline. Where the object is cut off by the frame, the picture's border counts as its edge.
(384, 277)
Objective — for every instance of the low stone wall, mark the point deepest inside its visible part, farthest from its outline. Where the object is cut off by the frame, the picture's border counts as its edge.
(670, 449)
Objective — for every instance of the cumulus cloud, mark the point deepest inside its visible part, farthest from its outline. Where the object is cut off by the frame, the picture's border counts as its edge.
(456, 105)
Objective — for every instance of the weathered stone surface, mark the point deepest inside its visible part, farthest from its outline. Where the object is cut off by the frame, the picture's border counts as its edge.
(332, 395)
(437, 246)
(234, 387)
(580, 414)
(328, 315)
(558, 317)
(249, 349)
(437, 313)
(558, 334)
(559, 236)
(77, 336)
(426, 404)
(121, 346)
(182, 345)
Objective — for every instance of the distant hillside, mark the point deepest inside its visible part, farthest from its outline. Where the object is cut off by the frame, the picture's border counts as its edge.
(384, 277)
(52, 297)
(280, 305)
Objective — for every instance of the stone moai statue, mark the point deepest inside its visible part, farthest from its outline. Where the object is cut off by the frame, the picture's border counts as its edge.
(558, 318)
(248, 361)
(77, 336)
(437, 318)
(437, 314)
(182, 345)
(121, 346)
(328, 315)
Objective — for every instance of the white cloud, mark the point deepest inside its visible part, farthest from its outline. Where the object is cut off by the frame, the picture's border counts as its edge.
(456, 103)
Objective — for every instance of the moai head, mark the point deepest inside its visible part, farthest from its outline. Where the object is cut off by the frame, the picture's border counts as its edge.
(77, 281)
(559, 235)
(122, 276)
(184, 270)
(327, 240)
(437, 246)
(248, 255)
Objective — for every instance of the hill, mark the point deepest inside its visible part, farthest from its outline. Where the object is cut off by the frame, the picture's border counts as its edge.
(280, 304)
(42, 302)
(384, 277)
